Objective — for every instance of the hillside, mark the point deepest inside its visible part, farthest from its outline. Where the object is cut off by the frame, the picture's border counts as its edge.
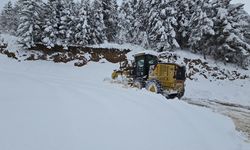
(47, 105)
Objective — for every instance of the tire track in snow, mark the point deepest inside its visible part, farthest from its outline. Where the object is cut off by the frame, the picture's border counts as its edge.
(240, 114)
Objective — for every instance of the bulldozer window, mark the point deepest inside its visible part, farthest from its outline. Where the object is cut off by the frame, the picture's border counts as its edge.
(180, 74)
(152, 60)
(143, 63)
(140, 63)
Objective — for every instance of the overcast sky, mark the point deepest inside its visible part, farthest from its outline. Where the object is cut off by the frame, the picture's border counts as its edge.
(246, 2)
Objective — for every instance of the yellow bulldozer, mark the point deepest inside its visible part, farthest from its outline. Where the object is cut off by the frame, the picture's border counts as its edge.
(146, 71)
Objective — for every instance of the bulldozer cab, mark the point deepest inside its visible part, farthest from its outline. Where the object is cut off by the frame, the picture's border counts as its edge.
(143, 63)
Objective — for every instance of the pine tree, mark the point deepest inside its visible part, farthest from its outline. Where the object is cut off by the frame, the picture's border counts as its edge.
(17, 15)
(68, 23)
(139, 25)
(132, 26)
(7, 17)
(59, 23)
(162, 24)
(202, 27)
(52, 23)
(185, 9)
(98, 27)
(247, 34)
(82, 31)
(230, 43)
(110, 18)
(126, 17)
(30, 29)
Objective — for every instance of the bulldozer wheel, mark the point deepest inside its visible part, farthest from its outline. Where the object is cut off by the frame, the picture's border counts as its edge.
(138, 83)
(114, 75)
(171, 96)
(154, 86)
(181, 94)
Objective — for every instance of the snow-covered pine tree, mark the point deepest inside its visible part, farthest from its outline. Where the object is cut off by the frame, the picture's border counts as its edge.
(30, 29)
(139, 25)
(133, 21)
(49, 33)
(17, 15)
(68, 23)
(230, 25)
(82, 28)
(98, 27)
(110, 18)
(247, 34)
(185, 9)
(162, 21)
(59, 23)
(201, 27)
(126, 18)
(52, 23)
(7, 17)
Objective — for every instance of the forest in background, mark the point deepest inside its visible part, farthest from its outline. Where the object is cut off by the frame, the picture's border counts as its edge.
(211, 27)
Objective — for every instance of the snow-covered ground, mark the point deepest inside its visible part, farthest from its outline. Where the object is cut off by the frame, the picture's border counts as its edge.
(44, 105)
(236, 91)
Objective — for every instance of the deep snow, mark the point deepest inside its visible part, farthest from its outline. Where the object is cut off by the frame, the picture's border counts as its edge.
(46, 106)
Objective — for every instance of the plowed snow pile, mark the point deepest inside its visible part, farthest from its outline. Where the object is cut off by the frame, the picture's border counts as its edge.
(48, 106)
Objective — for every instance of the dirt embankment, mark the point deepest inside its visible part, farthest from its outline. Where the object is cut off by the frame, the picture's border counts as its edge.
(80, 55)
(75, 52)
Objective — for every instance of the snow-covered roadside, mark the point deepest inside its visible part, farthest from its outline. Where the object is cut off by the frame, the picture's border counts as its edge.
(57, 106)
(236, 92)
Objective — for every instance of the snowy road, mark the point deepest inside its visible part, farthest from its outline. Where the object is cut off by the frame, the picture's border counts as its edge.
(240, 114)
(48, 106)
